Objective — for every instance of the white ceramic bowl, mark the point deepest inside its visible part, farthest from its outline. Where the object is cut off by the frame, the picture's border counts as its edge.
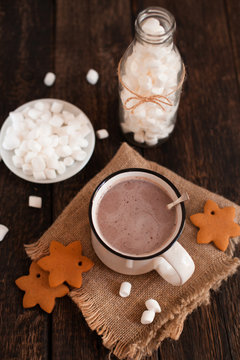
(71, 170)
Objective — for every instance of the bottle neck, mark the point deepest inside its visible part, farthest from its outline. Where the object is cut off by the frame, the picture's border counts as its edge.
(167, 25)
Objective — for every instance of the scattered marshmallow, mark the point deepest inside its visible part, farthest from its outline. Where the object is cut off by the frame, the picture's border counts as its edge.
(102, 134)
(148, 315)
(49, 79)
(35, 201)
(92, 76)
(3, 231)
(152, 304)
(125, 289)
(45, 139)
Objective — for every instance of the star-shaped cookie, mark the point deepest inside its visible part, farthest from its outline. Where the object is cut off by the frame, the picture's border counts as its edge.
(65, 263)
(216, 225)
(37, 289)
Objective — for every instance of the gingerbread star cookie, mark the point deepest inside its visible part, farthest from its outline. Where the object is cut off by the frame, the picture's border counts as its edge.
(216, 225)
(65, 263)
(37, 289)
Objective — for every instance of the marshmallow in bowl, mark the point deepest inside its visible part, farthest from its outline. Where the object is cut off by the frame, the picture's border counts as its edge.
(45, 139)
(3, 231)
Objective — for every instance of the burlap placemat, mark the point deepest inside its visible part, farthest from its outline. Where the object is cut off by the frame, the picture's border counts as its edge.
(116, 319)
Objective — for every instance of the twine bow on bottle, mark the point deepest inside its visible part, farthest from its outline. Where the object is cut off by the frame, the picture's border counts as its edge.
(157, 99)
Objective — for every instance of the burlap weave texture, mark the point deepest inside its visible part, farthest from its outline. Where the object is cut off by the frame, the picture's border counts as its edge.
(117, 319)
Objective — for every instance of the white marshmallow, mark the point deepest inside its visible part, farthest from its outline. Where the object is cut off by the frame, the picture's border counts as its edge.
(84, 130)
(41, 106)
(46, 116)
(63, 150)
(152, 26)
(68, 117)
(17, 161)
(33, 134)
(151, 140)
(54, 140)
(3, 231)
(125, 289)
(27, 169)
(147, 317)
(102, 134)
(49, 79)
(79, 155)
(56, 107)
(82, 118)
(35, 201)
(50, 174)
(16, 116)
(92, 76)
(38, 163)
(152, 304)
(83, 143)
(45, 129)
(39, 175)
(61, 168)
(63, 140)
(52, 161)
(30, 124)
(68, 161)
(34, 114)
(44, 141)
(11, 142)
(34, 146)
(139, 137)
(56, 120)
(29, 156)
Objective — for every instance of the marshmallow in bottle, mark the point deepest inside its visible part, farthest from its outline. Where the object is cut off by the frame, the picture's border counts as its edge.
(152, 68)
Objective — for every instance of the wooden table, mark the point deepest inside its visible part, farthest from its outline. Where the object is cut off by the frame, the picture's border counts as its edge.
(68, 38)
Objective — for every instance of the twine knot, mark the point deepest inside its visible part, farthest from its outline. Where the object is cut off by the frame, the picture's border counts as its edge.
(157, 99)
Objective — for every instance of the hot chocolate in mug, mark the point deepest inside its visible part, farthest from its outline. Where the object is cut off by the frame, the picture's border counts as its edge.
(132, 230)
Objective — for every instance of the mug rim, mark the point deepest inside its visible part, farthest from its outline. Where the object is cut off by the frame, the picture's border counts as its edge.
(131, 257)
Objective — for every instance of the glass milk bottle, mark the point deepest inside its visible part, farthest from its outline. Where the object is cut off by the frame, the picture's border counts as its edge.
(151, 73)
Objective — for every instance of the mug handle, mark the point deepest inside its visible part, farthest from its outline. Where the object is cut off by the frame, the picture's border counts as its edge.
(175, 265)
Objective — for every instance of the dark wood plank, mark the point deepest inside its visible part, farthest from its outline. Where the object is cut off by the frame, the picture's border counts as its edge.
(233, 12)
(88, 35)
(205, 149)
(25, 56)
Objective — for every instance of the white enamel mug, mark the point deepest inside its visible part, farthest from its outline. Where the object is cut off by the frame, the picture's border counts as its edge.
(171, 260)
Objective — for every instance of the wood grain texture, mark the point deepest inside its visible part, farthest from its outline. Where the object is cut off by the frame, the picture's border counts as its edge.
(204, 148)
(100, 32)
(23, 63)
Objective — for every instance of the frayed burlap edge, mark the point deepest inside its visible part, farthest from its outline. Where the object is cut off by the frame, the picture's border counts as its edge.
(148, 341)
